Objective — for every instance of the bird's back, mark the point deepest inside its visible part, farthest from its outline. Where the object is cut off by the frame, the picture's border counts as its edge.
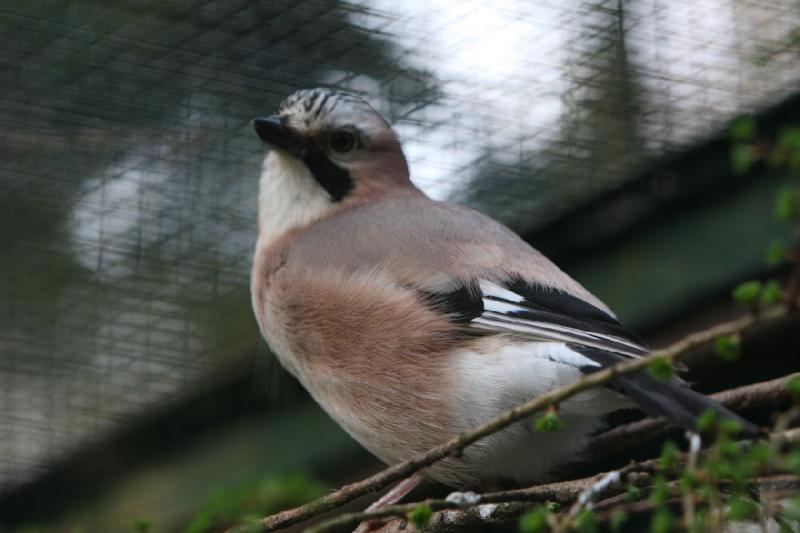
(425, 243)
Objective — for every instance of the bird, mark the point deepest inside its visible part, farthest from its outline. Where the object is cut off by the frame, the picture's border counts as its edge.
(410, 320)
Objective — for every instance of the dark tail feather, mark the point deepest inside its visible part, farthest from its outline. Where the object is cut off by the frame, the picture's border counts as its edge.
(671, 398)
(674, 400)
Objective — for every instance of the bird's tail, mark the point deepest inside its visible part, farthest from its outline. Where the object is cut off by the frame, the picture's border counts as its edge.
(673, 399)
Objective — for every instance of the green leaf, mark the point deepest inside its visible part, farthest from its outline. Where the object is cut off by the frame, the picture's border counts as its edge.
(791, 508)
(793, 462)
(740, 509)
(535, 521)
(759, 455)
(228, 505)
(660, 492)
(707, 420)
(634, 494)
(421, 515)
(742, 158)
(660, 368)
(141, 526)
(617, 520)
(748, 292)
(772, 292)
(661, 521)
(669, 456)
(728, 347)
(700, 524)
(729, 426)
(793, 386)
(586, 522)
(549, 422)
(688, 480)
(743, 129)
(787, 205)
(777, 253)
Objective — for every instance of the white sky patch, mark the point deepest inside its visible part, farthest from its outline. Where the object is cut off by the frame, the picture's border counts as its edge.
(106, 220)
(482, 56)
(506, 69)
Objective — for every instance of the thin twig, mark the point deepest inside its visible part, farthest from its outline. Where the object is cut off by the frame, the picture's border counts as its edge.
(621, 439)
(455, 445)
(695, 443)
(563, 492)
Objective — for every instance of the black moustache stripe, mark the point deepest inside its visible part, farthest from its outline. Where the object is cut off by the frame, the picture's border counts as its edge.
(336, 181)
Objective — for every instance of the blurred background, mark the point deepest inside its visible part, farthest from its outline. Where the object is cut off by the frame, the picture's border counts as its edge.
(135, 391)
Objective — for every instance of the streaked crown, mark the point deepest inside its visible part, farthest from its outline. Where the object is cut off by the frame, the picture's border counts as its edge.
(309, 110)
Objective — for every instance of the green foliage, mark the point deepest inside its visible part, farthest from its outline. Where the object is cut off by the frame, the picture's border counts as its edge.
(748, 292)
(634, 494)
(421, 515)
(728, 347)
(730, 426)
(787, 204)
(791, 509)
(772, 292)
(793, 386)
(787, 150)
(586, 522)
(229, 506)
(660, 492)
(669, 456)
(535, 521)
(793, 462)
(661, 368)
(742, 509)
(617, 520)
(777, 253)
(553, 506)
(700, 524)
(141, 526)
(743, 153)
(743, 156)
(549, 422)
(707, 420)
(661, 521)
(743, 129)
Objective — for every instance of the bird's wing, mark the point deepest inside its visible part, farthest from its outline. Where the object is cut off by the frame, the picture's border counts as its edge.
(593, 339)
(537, 312)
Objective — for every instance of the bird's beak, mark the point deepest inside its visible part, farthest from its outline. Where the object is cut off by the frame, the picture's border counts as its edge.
(273, 132)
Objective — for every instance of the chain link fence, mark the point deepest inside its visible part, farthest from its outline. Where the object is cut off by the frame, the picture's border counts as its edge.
(129, 169)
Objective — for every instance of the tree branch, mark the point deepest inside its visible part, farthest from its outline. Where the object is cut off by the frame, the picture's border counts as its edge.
(621, 439)
(450, 515)
(454, 446)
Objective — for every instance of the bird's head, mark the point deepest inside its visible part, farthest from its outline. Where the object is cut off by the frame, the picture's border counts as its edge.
(328, 149)
(342, 142)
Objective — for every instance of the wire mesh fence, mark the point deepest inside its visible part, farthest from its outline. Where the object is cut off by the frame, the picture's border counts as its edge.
(129, 169)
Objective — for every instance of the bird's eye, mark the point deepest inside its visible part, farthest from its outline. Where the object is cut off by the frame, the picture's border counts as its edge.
(343, 141)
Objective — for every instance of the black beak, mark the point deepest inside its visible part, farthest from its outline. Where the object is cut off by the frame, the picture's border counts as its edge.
(273, 132)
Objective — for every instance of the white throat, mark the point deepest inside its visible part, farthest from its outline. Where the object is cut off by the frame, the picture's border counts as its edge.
(288, 196)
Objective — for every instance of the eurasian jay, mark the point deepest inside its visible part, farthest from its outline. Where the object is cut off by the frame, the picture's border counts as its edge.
(411, 320)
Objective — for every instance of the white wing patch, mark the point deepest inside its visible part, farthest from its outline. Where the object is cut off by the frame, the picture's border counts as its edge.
(502, 310)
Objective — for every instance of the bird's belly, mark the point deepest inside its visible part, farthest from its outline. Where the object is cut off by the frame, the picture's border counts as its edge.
(498, 375)
(401, 404)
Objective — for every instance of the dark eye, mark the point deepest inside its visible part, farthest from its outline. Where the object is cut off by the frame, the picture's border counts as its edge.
(343, 141)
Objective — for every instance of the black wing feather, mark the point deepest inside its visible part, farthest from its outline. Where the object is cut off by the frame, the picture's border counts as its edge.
(551, 305)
